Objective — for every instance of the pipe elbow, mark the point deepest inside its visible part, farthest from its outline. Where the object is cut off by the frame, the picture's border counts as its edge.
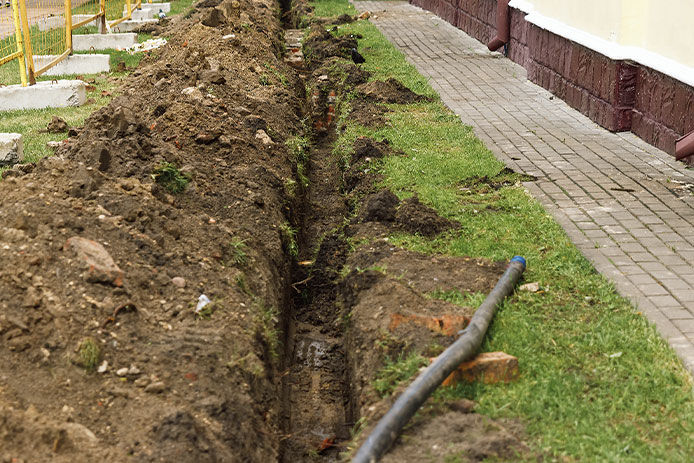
(495, 44)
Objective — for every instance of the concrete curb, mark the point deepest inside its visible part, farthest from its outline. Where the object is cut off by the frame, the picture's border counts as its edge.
(103, 41)
(43, 95)
(74, 64)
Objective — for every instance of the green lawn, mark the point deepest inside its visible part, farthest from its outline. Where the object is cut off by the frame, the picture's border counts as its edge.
(597, 381)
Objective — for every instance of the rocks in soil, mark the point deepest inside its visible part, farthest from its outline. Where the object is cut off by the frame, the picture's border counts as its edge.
(57, 125)
(390, 91)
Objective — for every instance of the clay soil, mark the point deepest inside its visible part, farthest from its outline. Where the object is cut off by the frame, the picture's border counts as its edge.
(111, 358)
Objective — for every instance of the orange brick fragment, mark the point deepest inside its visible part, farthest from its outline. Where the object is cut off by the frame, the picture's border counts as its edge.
(446, 324)
(488, 367)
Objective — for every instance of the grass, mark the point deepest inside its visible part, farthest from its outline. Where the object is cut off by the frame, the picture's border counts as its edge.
(395, 371)
(168, 176)
(89, 354)
(597, 381)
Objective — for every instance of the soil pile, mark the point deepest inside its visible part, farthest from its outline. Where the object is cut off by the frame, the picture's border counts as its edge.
(390, 91)
(176, 190)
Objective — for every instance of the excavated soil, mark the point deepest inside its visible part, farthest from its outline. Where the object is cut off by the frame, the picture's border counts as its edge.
(178, 285)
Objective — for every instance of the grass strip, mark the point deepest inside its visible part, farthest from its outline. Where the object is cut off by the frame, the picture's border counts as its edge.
(597, 383)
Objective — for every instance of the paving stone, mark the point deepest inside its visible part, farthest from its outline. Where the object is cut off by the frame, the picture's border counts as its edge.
(644, 238)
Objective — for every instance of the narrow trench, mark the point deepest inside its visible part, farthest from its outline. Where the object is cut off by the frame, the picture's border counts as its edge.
(315, 415)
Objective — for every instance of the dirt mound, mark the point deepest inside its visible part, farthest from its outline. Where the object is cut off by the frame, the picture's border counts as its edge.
(409, 215)
(135, 361)
(390, 91)
(368, 114)
(456, 436)
(321, 44)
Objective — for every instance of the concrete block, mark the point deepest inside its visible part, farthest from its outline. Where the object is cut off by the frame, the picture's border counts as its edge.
(127, 26)
(11, 149)
(164, 6)
(43, 95)
(488, 367)
(103, 41)
(74, 64)
(81, 17)
(50, 22)
(147, 13)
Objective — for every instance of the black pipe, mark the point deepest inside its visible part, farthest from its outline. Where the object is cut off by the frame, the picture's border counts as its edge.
(388, 429)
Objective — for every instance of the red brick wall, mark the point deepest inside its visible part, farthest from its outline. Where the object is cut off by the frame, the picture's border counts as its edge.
(618, 95)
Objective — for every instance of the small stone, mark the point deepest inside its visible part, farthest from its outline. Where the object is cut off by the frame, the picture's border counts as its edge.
(53, 144)
(142, 381)
(11, 149)
(156, 388)
(103, 367)
(193, 92)
(264, 137)
(365, 15)
(100, 267)
(530, 287)
(122, 372)
(178, 282)
(134, 371)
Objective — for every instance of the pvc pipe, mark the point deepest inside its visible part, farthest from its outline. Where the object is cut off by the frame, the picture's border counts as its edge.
(389, 427)
(503, 26)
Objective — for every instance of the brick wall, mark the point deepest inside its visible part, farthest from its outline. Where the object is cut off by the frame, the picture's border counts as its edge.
(618, 95)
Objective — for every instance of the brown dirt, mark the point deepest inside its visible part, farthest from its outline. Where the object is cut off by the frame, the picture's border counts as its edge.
(409, 215)
(368, 114)
(201, 384)
(469, 436)
(390, 91)
(279, 366)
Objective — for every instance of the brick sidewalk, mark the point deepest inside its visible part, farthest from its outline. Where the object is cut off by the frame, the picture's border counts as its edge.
(625, 204)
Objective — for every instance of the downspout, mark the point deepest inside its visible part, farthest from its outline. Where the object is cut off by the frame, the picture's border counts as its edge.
(684, 146)
(503, 26)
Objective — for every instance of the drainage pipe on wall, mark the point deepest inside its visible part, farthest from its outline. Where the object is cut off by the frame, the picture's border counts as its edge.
(684, 146)
(503, 26)
(389, 427)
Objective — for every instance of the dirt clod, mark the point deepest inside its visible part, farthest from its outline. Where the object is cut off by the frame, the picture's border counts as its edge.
(57, 125)
(390, 91)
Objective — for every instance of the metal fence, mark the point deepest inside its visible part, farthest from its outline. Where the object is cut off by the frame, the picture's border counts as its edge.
(35, 35)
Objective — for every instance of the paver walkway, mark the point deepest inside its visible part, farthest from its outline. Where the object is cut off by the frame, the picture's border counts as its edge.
(627, 205)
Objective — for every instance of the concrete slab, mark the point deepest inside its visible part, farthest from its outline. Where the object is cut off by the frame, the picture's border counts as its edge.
(81, 17)
(43, 95)
(127, 26)
(144, 14)
(74, 64)
(103, 41)
(164, 6)
(11, 150)
(50, 22)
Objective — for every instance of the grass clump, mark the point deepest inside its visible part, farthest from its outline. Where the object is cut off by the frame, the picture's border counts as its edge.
(171, 178)
(89, 354)
(289, 239)
(267, 319)
(237, 251)
(395, 371)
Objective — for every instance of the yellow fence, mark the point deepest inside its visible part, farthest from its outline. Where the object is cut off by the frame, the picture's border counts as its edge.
(37, 34)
